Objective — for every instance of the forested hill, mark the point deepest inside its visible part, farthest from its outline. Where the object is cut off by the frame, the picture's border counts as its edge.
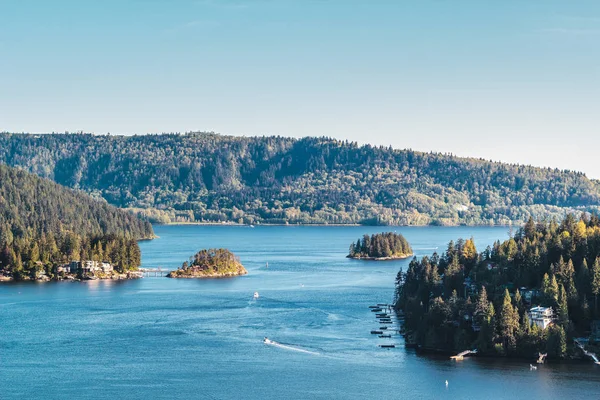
(44, 225)
(208, 177)
(31, 207)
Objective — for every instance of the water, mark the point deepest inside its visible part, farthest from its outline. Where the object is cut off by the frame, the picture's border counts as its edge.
(161, 338)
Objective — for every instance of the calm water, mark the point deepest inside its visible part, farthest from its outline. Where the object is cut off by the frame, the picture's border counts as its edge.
(164, 338)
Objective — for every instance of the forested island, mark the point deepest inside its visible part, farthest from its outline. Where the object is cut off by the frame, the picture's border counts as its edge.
(533, 293)
(211, 263)
(51, 232)
(209, 178)
(381, 246)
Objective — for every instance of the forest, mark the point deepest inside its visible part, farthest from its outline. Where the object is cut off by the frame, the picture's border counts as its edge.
(43, 224)
(385, 245)
(463, 299)
(205, 177)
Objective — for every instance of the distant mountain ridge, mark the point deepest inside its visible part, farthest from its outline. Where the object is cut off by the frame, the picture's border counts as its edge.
(213, 178)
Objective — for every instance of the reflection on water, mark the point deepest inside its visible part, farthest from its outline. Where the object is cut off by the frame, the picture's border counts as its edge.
(166, 338)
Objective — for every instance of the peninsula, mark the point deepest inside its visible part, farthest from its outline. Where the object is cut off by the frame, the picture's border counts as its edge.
(381, 247)
(533, 294)
(50, 232)
(211, 263)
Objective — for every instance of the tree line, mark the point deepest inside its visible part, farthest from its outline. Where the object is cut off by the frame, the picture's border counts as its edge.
(463, 299)
(214, 178)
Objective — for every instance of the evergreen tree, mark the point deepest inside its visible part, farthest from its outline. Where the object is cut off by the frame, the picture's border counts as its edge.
(596, 283)
(563, 311)
(508, 323)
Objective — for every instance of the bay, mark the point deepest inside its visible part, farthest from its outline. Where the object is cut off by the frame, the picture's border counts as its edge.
(158, 338)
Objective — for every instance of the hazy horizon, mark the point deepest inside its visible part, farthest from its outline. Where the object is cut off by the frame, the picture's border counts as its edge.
(511, 81)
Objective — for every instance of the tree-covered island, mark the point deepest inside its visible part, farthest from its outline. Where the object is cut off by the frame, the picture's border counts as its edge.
(534, 293)
(211, 263)
(381, 246)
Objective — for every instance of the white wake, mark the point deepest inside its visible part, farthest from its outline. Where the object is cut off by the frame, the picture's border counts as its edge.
(292, 348)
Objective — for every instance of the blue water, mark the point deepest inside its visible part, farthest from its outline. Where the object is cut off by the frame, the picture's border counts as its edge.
(159, 338)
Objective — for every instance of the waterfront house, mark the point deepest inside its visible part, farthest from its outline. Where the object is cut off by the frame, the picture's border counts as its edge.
(541, 316)
(64, 268)
(74, 267)
(89, 266)
(106, 267)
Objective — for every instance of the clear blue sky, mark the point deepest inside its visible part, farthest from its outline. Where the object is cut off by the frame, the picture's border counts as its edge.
(517, 81)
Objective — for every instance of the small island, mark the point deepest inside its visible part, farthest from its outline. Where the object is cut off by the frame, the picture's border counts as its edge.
(380, 247)
(211, 263)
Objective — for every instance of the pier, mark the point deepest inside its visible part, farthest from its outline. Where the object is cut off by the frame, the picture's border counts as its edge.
(587, 353)
(461, 356)
(153, 271)
(541, 358)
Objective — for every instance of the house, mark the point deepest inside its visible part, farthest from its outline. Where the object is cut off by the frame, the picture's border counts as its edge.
(89, 266)
(74, 267)
(541, 316)
(65, 268)
(106, 267)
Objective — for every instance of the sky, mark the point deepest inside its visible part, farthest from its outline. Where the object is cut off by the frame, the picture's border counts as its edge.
(511, 80)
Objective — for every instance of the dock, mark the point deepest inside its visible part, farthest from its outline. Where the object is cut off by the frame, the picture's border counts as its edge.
(587, 353)
(541, 358)
(154, 271)
(461, 356)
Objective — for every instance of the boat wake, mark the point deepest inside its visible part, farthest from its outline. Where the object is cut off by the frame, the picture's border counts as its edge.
(287, 347)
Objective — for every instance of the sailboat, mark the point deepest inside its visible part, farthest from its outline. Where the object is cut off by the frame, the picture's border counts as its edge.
(255, 295)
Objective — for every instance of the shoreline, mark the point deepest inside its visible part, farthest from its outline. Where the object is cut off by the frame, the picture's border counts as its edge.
(73, 278)
(333, 225)
(214, 276)
(393, 258)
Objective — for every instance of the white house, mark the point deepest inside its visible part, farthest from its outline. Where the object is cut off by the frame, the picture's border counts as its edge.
(541, 316)
(106, 267)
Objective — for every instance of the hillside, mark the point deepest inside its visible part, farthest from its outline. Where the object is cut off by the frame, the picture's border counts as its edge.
(461, 299)
(212, 178)
(43, 224)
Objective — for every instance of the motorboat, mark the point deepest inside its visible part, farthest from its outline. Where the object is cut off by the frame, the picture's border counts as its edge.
(266, 340)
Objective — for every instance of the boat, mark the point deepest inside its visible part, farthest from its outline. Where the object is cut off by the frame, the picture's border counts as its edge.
(376, 309)
(255, 295)
(387, 346)
(383, 327)
(376, 332)
(266, 340)
(532, 367)
(385, 336)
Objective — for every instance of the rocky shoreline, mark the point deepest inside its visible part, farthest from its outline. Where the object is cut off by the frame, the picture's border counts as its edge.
(392, 258)
(73, 277)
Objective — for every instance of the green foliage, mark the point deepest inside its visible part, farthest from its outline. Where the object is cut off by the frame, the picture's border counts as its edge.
(43, 225)
(381, 245)
(213, 178)
(210, 263)
(546, 259)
